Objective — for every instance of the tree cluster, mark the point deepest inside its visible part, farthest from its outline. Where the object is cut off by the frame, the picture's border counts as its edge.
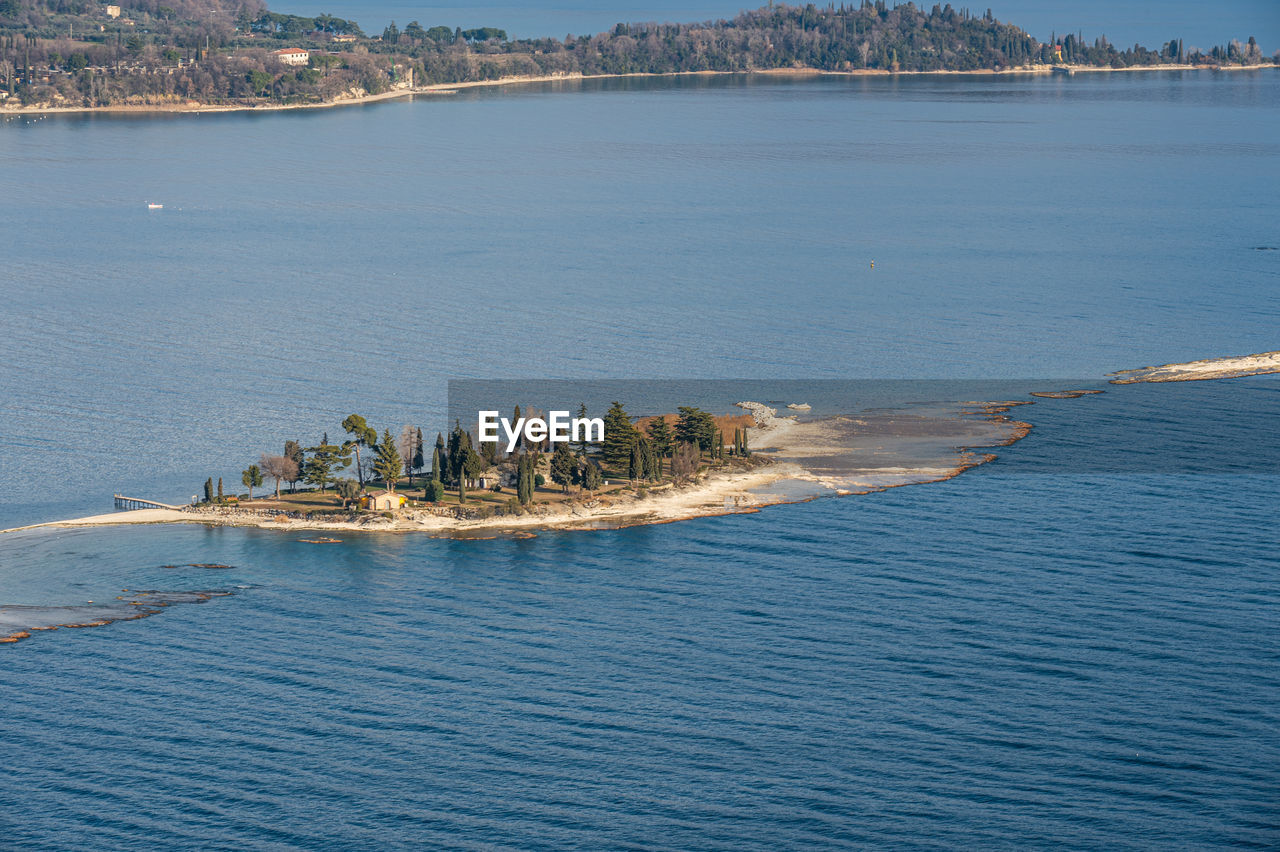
(177, 49)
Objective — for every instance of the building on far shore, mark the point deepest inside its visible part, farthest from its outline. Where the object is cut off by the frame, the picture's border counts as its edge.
(386, 501)
(292, 56)
(113, 11)
(344, 38)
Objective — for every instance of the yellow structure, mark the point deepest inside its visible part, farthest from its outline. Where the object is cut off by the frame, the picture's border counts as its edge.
(386, 501)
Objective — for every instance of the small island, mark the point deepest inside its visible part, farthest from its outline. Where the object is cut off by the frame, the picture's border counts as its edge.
(365, 477)
(644, 470)
(236, 54)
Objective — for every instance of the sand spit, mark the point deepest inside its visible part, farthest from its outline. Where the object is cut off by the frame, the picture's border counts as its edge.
(1065, 394)
(137, 516)
(19, 622)
(1260, 364)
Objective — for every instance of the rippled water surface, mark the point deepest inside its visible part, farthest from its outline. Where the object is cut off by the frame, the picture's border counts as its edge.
(1073, 646)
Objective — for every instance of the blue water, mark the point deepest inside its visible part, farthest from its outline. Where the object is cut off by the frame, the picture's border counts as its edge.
(1072, 646)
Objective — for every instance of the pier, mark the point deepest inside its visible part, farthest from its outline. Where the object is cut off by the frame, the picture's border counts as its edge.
(123, 502)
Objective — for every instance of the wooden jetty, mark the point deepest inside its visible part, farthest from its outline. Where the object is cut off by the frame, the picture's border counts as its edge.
(123, 502)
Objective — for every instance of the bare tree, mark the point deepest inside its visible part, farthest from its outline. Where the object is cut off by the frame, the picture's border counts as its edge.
(684, 461)
(407, 444)
(278, 468)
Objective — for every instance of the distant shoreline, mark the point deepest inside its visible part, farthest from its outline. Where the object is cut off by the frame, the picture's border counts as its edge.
(191, 107)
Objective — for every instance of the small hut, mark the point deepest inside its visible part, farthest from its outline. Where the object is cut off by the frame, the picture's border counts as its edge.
(385, 501)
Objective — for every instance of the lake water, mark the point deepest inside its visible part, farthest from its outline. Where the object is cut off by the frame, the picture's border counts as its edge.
(1074, 645)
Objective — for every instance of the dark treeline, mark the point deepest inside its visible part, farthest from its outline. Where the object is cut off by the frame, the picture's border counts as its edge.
(871, 36)
(70, 51)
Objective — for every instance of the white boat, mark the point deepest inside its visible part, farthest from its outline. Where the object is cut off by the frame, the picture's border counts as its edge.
(151, 206)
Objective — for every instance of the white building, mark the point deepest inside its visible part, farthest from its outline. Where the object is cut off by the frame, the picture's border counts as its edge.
(292, 56)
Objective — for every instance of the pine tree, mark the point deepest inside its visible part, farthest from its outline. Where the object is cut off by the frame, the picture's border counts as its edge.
(326, 460)
(696, 426)
(619, 436)
(387, 462)
(362, 435)
(660, 435)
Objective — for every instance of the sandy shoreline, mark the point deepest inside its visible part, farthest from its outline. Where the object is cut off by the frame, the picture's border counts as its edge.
(451, 88)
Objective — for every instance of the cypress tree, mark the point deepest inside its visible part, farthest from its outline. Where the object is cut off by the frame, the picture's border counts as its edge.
(459, 450)
(582, 437)
(437, 473)
(419, 461)
(524, 479)
(252, 478)
(635, 467)
(652, 461)
(591, 478)
(219, 489)
(208, 490)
